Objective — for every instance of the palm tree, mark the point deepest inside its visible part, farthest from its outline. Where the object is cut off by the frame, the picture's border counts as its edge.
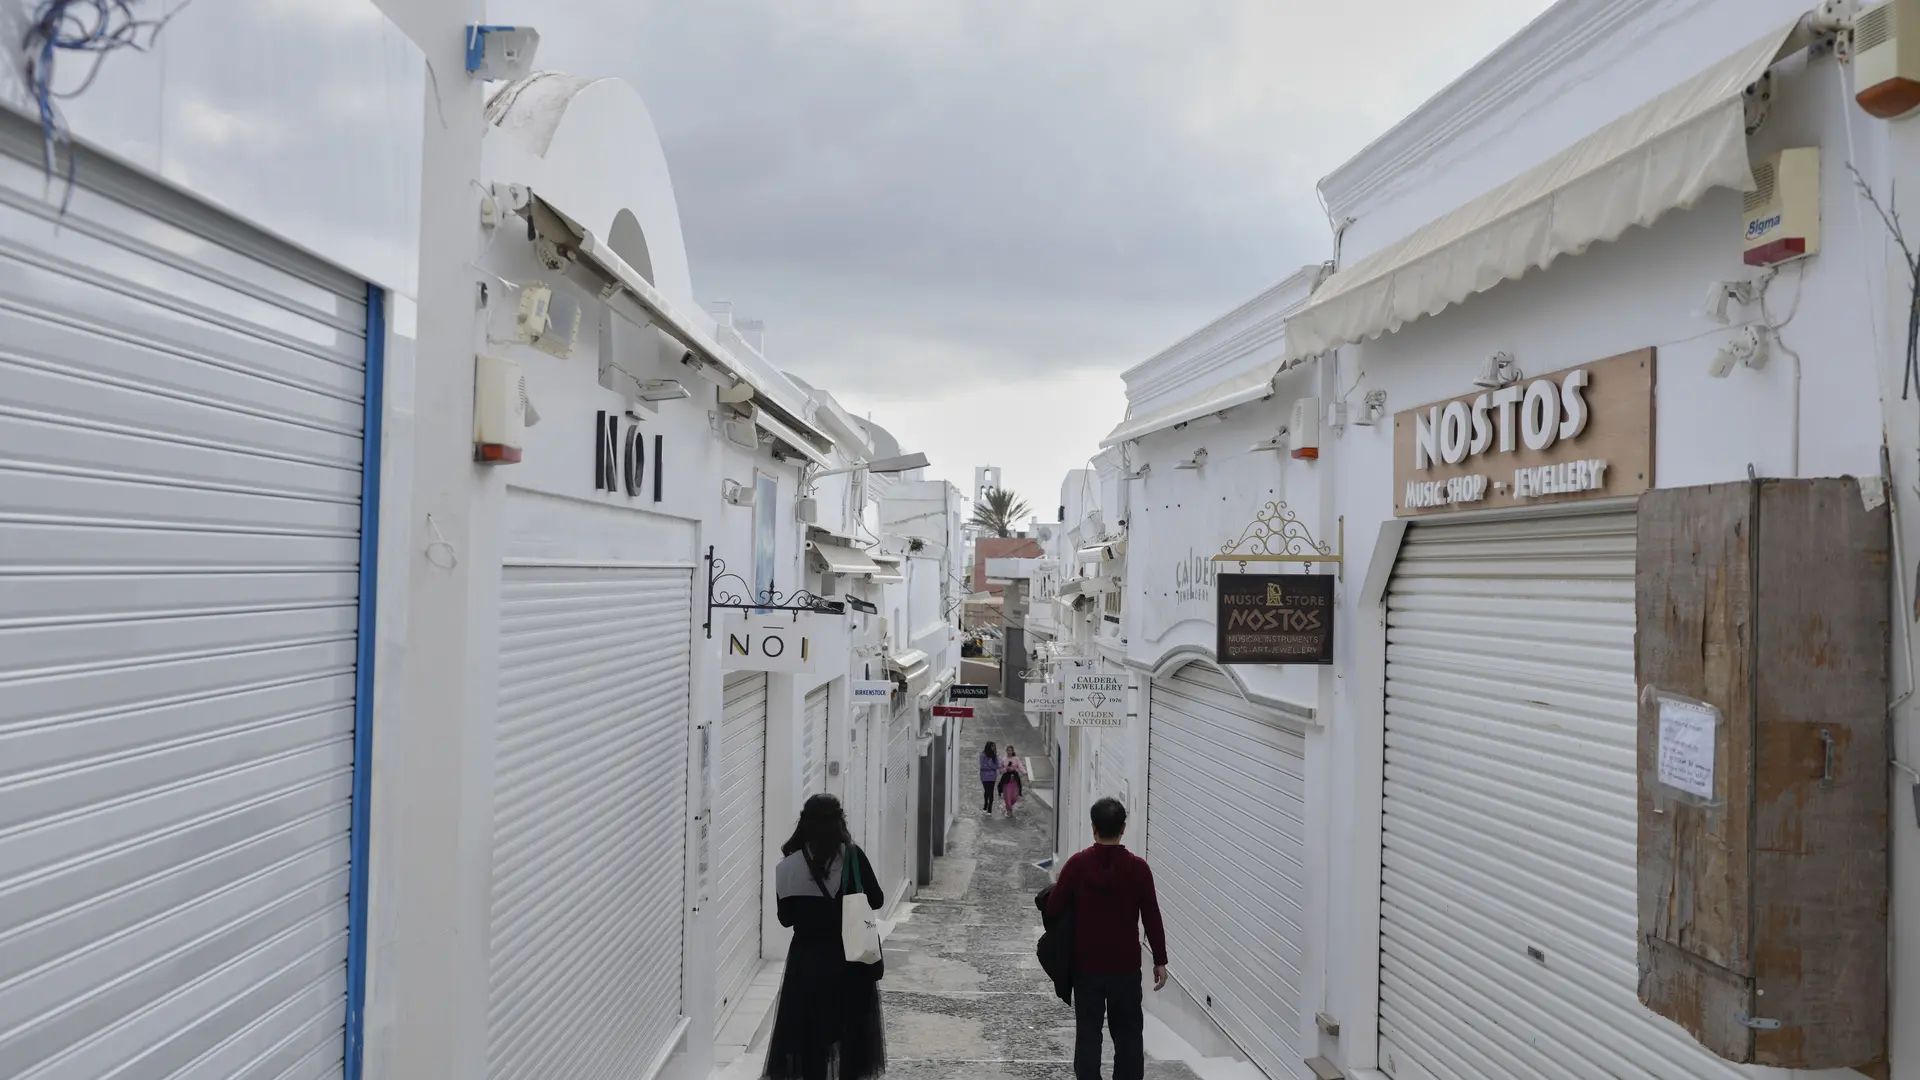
(999, 512)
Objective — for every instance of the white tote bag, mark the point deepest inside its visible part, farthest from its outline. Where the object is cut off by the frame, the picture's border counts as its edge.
(859, 923)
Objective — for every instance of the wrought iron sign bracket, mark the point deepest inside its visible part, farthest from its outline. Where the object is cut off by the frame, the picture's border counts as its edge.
(724, 596)
(1277, 535)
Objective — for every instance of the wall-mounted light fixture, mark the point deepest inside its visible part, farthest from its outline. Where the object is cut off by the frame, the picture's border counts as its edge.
(1140, 475)
(1501, 371)
(1722, 294)
(1278, 442)
(1372, 408)
(1198, 459)
(736, 493)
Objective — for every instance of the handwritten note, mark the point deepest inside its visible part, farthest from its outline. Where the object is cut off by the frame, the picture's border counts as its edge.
(1687, 747)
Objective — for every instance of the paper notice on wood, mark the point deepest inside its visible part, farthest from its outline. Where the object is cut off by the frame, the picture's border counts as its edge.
(1687, 732)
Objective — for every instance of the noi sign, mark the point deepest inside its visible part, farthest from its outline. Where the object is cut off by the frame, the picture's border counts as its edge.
(772, 642)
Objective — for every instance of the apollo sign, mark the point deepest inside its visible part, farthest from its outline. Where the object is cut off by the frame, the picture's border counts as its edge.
(1586, 431)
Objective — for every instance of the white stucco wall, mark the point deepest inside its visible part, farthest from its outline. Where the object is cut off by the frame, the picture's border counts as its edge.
(1588, 62)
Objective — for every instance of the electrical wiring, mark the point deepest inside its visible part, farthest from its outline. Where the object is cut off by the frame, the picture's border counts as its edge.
(1774, 328)
(95, 27)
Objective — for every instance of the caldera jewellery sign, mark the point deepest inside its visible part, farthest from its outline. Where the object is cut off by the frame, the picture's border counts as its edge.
(1096, 700)
(1582, 433)
(1193, 580)
(1274, 619)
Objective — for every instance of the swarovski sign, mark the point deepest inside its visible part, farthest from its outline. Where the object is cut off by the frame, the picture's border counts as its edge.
(1585, 431)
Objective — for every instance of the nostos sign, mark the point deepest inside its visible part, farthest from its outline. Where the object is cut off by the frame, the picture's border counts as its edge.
(1274, 619)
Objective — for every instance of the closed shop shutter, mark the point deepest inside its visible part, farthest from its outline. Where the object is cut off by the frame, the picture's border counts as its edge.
(856, 775)
(813, 744)
(739, 828)
(1111, 778)
(182, 406)
(899, 812)
(1508, 925)
(590, 818)
(1225, 835)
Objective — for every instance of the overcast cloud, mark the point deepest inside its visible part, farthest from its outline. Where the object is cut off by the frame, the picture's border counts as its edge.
(967, 217)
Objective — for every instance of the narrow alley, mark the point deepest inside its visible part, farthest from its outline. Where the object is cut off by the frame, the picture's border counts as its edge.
(964, 995)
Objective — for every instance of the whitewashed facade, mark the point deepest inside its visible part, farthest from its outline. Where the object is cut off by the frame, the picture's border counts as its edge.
(509, 812)
(1459, 892)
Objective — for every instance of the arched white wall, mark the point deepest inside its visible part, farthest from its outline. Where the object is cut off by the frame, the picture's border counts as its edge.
(591, 147)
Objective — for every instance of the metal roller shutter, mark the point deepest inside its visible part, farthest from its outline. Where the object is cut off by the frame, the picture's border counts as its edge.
(1225, 834)
(590, 817)
(182, 403)
(898, 815)
(1110, 779)
(813, 744)
(739, 827)
(1507, 933)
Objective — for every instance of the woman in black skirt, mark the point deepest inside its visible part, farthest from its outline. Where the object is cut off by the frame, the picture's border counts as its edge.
(828, 1026)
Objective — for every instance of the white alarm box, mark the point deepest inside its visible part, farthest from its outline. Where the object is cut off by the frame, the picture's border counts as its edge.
(1303, 432)
(499, 410)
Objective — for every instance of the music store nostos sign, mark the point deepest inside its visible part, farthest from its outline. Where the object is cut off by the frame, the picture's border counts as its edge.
(1274, 618)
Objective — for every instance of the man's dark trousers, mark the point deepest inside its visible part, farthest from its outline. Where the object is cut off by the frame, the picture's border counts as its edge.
(1117, 1000)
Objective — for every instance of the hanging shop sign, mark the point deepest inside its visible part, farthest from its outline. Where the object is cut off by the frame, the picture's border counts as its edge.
(1046, 696)
(1582, 433)
(1095, 700)
(961, 712)
(776, 642)
(872, 692)
(1274, 619)
(966, 692)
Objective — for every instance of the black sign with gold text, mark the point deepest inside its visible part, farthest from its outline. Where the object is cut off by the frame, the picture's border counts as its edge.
(1274, 618)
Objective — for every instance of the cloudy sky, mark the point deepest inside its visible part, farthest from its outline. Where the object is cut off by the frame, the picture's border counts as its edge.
(967, 217)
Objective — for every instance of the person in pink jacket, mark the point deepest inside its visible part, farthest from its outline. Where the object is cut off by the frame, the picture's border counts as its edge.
(1013, 777)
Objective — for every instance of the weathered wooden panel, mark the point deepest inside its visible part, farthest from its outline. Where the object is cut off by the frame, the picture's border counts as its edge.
(1694, 638)
(1769, 600)
(1820, 806)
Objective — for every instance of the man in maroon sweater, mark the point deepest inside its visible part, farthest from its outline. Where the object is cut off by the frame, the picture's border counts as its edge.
(1110, 891)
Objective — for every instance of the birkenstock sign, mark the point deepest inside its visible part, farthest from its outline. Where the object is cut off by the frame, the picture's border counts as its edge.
(1582, 433)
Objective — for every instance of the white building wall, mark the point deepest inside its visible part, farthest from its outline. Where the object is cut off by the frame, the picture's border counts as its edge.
(1640, 291)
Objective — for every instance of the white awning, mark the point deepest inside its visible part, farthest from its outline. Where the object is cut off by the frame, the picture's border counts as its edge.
(788, 437)
(608, 276)
(842, 560)
(912, 666)
(1664, 155)
(1242, 388)
(889, 569)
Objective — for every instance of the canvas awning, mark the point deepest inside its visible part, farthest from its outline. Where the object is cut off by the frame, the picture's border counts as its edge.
(1076, 588)
(1242, 388)
(913, 668)
(1662, 156)
(786, 436)
(842, 560)
(594, 266)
